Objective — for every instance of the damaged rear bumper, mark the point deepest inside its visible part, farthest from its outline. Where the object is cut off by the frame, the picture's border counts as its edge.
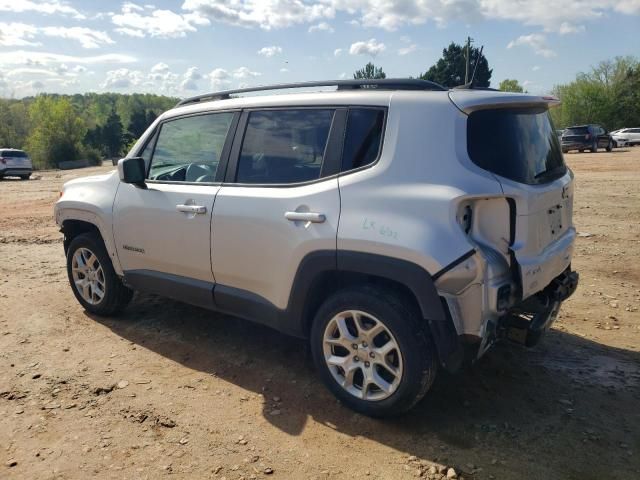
(526, 322)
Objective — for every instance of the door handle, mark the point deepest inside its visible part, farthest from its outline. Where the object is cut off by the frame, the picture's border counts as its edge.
(311, 217)
(197, 209)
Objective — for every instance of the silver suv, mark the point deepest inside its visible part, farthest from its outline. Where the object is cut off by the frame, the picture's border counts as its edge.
(397, 225)
(15, 163)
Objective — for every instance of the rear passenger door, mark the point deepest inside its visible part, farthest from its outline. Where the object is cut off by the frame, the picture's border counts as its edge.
(279, 202)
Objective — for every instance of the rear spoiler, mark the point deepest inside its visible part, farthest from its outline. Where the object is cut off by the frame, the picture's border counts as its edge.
(469, 101)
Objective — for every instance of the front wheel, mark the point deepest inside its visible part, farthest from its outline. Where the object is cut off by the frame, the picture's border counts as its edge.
(93, 280)
(25, 177)
(373, 351)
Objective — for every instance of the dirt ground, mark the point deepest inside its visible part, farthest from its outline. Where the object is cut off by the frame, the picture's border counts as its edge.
(201, 395)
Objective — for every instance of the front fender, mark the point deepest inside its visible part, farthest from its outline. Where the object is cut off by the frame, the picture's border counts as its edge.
(90, 199)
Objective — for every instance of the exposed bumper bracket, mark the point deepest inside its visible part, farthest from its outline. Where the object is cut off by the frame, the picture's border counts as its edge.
(525, 323)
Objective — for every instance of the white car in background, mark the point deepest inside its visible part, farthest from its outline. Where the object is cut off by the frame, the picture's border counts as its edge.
(626, 136)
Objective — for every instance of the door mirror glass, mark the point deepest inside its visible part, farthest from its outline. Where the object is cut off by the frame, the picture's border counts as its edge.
(132, 170)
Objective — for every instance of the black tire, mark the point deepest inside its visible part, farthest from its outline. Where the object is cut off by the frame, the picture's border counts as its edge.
(25, 177)
(609, 146)
(412, 337)
(565, 151)
(581, 151)
(116, 294)
(594, 147)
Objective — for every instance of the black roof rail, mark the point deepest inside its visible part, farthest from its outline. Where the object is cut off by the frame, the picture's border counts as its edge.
(381, 84)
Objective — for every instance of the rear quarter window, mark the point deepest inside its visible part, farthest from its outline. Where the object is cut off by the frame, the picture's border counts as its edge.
(363, 137)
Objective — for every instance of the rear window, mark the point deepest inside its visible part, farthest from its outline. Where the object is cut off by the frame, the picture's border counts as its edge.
(518, 144)
(576, 131)
(13, 154)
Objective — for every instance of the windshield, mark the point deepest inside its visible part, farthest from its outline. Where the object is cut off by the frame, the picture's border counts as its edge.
(518, 144)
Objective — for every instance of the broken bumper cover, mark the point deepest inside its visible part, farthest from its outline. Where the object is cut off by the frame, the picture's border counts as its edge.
(526, 322)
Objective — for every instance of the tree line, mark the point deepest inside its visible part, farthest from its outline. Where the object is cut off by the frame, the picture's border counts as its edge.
(608, 94)
(55, 128)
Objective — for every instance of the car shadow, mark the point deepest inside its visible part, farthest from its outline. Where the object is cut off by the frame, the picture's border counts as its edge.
(554, 403)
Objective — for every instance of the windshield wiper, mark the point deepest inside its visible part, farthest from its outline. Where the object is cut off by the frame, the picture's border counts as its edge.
(550, 173)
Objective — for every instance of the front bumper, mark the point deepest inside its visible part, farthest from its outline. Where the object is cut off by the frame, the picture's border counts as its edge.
(526, 322)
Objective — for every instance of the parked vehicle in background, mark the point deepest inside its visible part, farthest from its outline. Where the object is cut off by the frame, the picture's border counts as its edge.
(586, 137)
(15, 163)
(559, 133)
(352, 218)
(626, 136)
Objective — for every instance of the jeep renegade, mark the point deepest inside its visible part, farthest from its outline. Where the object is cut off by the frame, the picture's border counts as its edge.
(397, 225)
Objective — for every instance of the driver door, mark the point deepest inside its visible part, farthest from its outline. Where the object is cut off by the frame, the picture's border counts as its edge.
(163, 232)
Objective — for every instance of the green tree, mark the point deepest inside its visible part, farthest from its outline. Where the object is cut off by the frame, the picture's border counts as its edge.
(450, 69)
(369, 71)
(607, 95)
(510, 85)
(57, 131)
(112, 137)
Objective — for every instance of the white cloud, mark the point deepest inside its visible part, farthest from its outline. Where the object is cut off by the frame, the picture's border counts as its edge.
(270, 51)
(370, 47)
(408, 49)
(266, 14)
(390, 15)
(122, 78)
(244, 72)
(337, 52)
(17, 35)
(566, 28)
(135, 22)
(87, 37)
(321, 27)
(46, 7)
(535, 68)
(536, 41)
(22, 35)
(190, 79)
(284, 70)
(22, 57)
(160, 68)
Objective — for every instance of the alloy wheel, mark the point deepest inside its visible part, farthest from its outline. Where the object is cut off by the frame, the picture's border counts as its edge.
(362, 355)
(88, 276)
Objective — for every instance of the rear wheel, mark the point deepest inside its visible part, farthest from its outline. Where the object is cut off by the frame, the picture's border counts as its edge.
(609, 146)
(372, 351)
(92, 277)
(24, 177)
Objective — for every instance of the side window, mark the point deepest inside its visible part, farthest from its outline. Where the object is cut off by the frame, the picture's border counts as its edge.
(188, 149)
(363, 137)
(284, 146)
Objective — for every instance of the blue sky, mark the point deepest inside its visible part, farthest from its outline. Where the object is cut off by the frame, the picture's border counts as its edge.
(187, 47)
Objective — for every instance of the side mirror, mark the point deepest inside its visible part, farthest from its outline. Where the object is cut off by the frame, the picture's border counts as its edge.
(132, 170)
